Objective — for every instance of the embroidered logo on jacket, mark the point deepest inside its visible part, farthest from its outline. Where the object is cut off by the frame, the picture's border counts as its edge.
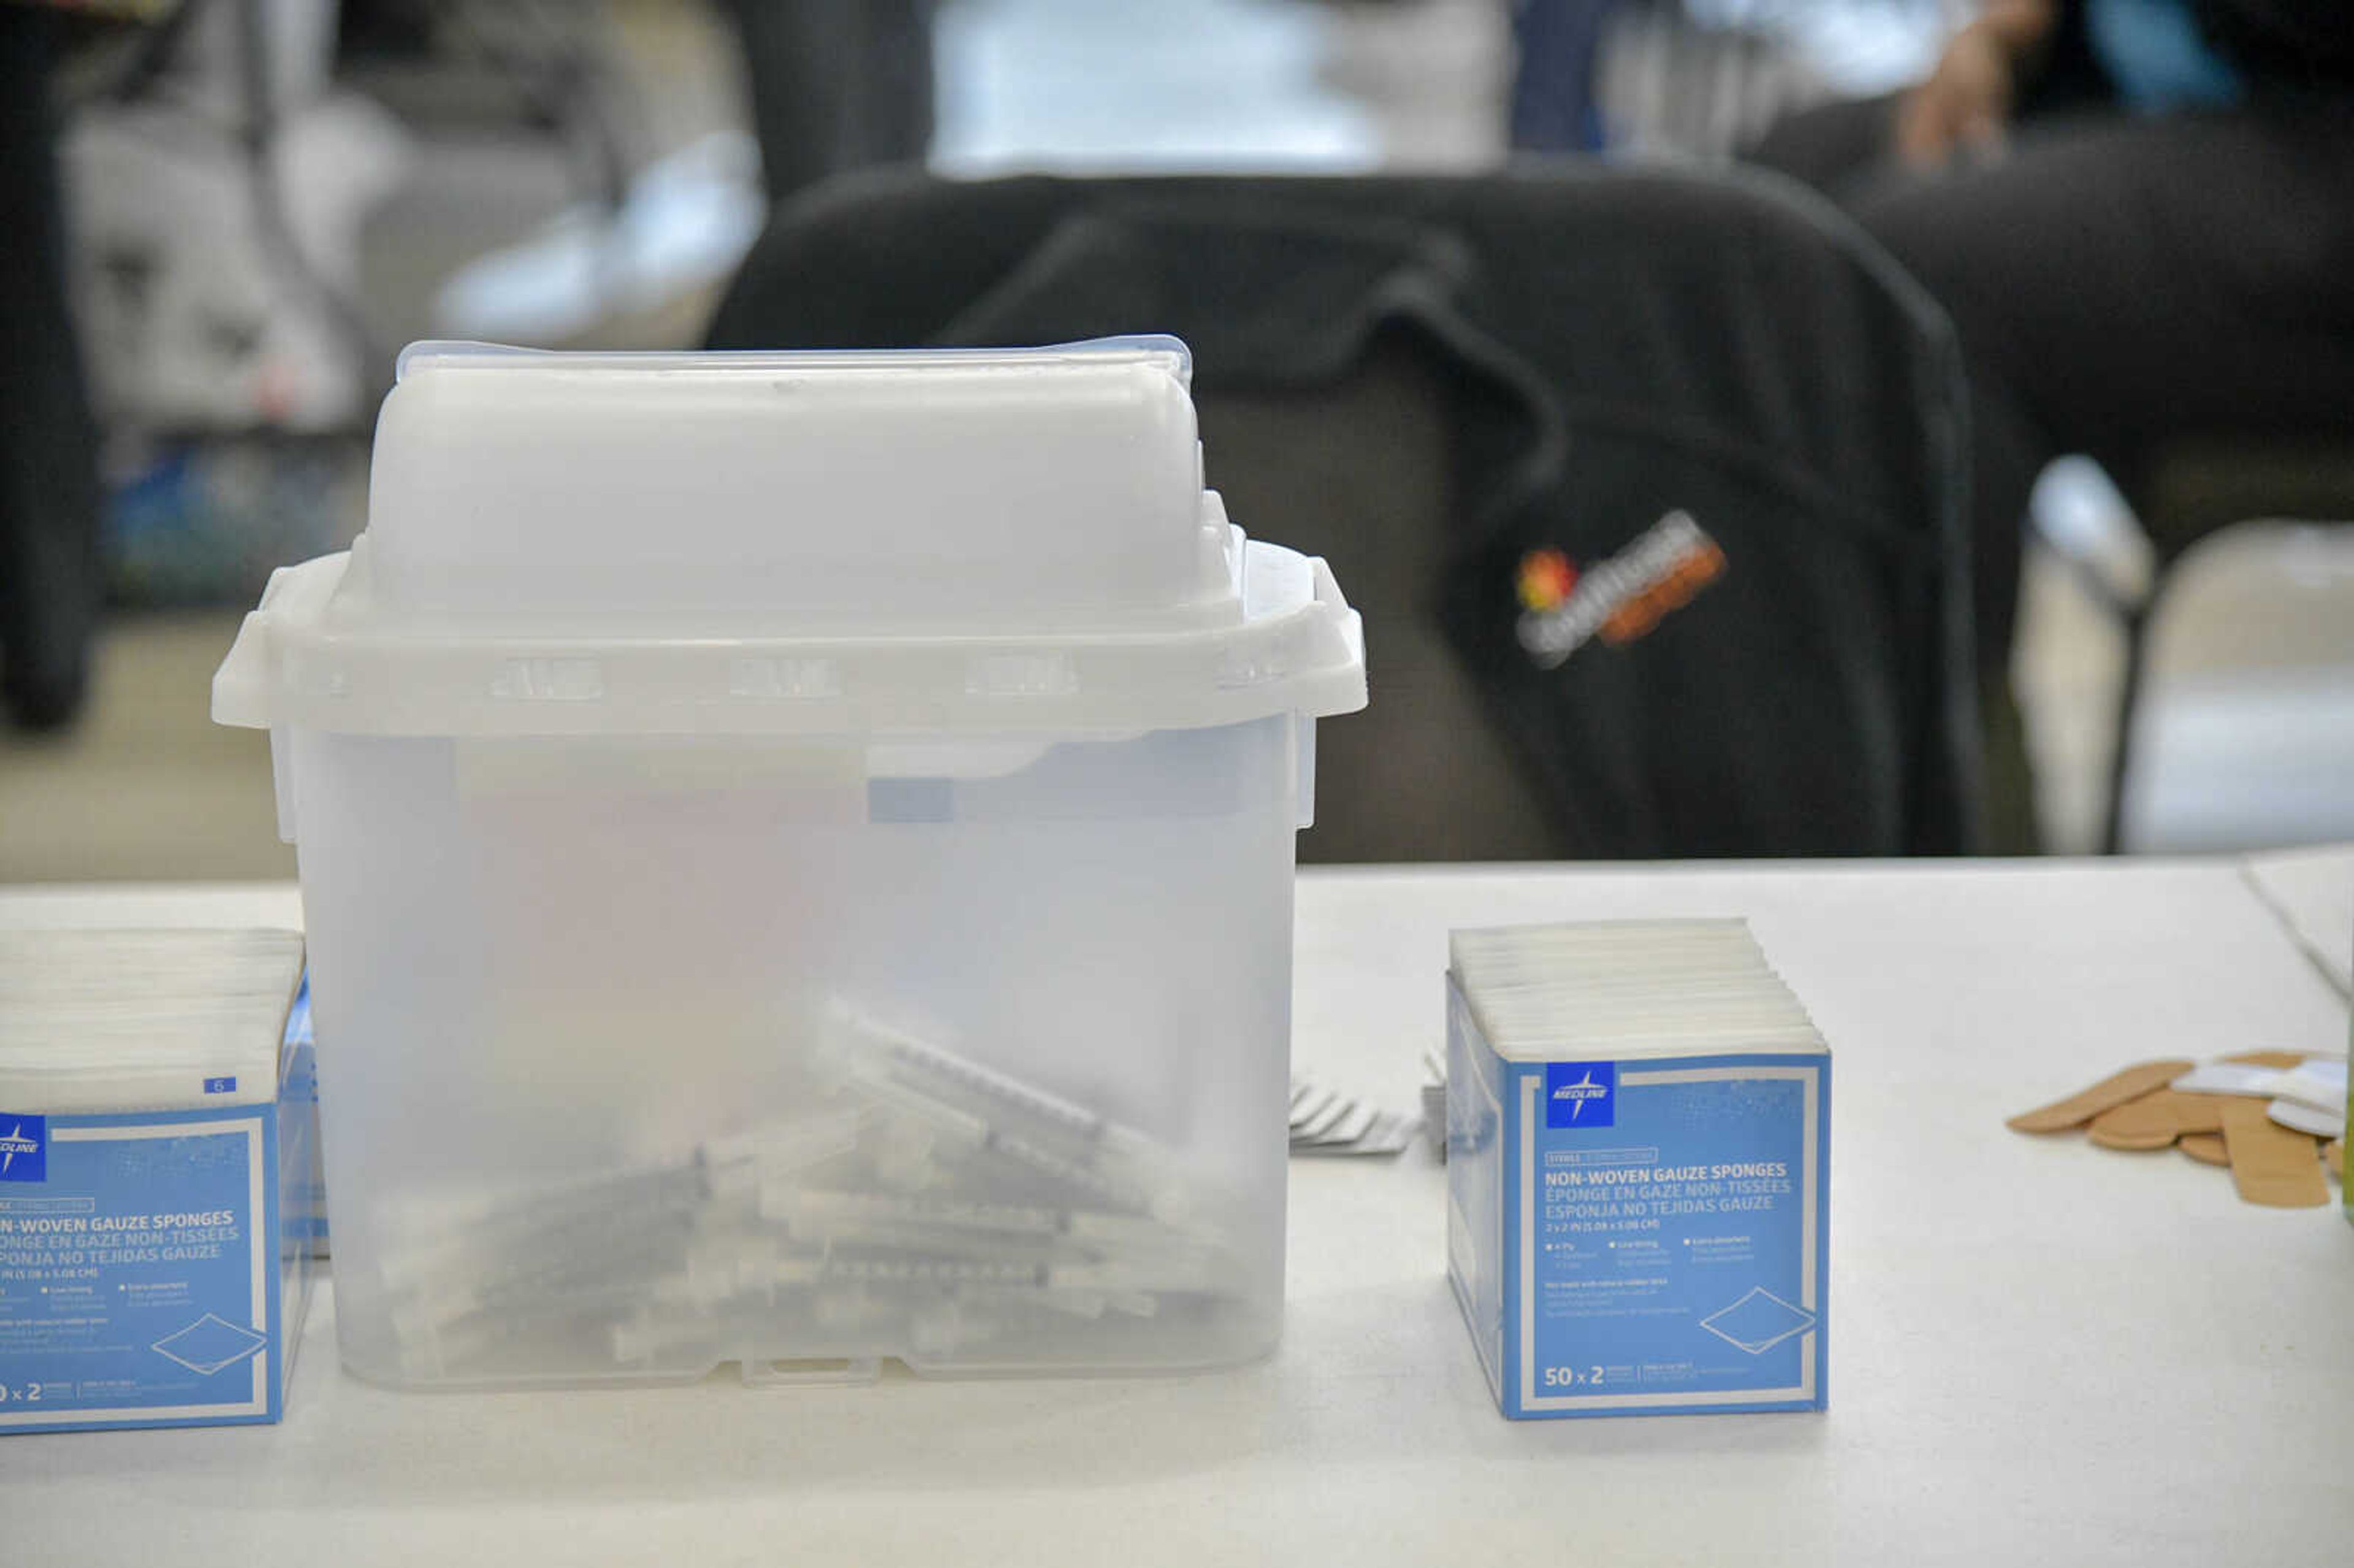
(1618, 598)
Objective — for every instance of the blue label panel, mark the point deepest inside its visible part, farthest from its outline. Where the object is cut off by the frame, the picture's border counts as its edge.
(137, 1275)
(1674, 1220)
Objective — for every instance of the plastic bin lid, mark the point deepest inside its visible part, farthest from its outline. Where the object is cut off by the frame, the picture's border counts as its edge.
(793, 542)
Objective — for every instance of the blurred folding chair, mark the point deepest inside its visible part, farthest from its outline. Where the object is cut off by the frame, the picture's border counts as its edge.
(2236, 729)
(2171, 522)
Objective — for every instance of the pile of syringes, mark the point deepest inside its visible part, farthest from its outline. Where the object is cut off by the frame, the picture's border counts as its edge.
(926, 1206)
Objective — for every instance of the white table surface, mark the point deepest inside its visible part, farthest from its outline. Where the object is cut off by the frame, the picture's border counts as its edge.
(2306, 890)
(2041, 1351)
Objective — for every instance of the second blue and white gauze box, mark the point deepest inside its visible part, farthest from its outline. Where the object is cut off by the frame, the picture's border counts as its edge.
(1638, 1157)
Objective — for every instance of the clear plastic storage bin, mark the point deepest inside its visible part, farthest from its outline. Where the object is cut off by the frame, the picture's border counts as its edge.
(797, 851)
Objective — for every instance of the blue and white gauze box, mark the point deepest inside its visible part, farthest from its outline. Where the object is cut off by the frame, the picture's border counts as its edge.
(1638, 1158)
(158, 1146)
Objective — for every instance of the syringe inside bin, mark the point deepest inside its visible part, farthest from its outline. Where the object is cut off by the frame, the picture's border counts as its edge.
(923, 1181)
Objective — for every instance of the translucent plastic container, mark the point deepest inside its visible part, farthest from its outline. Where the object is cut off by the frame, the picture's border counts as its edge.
(796, 852)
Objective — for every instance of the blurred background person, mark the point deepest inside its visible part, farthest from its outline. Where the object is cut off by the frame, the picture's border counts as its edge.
(49, 458)
(1554, 106)
(2140, 216)
(836, 85)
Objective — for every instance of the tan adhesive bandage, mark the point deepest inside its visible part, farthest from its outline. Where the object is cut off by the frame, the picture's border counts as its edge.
(2108, 1094)
(2156, 1120)
(2270, 1164)
(2197, 1113)
(2283, 1060)
(2207, 1148)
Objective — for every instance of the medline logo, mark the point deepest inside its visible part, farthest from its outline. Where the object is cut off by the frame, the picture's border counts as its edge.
(1581, 1094)
(1617, 599)
(1577, 1095)
(23, 1149)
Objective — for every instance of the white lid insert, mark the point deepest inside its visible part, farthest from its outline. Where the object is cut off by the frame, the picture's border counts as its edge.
(764, 543)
